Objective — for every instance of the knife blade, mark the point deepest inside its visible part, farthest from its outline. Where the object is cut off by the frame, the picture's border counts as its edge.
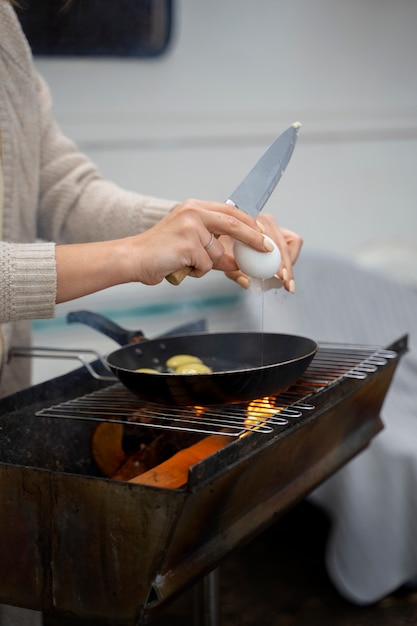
(255, 189)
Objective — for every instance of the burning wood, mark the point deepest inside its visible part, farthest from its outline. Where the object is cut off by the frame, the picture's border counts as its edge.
(173, 473)
(124, 452)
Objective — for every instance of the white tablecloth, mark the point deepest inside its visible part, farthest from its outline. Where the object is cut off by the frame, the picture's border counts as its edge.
(372, 549)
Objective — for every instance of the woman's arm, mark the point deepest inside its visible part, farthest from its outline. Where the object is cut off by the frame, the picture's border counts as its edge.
(75, 203)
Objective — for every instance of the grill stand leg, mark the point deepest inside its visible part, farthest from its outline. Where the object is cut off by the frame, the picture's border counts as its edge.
(206, 605)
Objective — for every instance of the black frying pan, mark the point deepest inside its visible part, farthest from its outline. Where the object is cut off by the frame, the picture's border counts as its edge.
(245, 365)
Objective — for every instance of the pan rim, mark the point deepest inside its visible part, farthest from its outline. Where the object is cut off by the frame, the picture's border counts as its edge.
(258, 368)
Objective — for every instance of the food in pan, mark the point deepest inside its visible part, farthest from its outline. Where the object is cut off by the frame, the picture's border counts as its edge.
(180, 359)
(187, 364)
(180, 364)
(193, 368)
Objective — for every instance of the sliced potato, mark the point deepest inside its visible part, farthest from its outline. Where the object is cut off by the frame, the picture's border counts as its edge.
(147, 370)
(193, 368)
(179, 359)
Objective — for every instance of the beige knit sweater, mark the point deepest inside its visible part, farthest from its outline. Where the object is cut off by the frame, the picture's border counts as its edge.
(52, 194)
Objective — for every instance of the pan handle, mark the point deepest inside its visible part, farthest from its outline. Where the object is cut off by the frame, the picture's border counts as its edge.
(105, 326)
(59, 353)
(122, 336)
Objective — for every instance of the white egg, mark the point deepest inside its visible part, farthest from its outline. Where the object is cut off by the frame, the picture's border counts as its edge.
(257, 264)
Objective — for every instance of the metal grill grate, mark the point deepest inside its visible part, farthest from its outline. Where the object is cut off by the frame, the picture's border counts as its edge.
(331, 363)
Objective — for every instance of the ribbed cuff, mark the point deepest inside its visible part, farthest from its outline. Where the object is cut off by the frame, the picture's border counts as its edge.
(28, 281)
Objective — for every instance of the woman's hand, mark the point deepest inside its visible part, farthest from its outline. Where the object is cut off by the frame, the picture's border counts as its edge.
(289, 244)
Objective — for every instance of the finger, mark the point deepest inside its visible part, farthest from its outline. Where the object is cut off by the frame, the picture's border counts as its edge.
(214, 258)
(291, 249)
(294, 242)
(193, 207)
(239, 277)
(215, 251)
(221, 219)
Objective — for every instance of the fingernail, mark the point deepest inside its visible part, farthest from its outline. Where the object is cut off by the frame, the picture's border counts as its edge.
(260, 226)
(268, 245)
(291, 286)
(285, 274)
(243, 282)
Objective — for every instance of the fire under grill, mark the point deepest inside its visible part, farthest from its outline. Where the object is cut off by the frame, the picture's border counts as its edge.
(264, 415)
(84, 548)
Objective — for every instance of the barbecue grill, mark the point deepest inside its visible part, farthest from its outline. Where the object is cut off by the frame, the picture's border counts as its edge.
(85, 548)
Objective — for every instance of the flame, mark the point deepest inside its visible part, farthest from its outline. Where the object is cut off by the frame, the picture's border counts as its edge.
(259, 412)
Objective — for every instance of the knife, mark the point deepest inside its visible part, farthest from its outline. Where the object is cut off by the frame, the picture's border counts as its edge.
(257, 186)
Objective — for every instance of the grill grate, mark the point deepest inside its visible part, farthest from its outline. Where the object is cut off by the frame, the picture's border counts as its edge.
(332, 363)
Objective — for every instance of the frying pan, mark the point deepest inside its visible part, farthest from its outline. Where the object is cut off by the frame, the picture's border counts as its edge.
(245, 365)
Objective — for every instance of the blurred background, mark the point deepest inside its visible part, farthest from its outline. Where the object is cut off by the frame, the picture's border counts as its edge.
(190, 119)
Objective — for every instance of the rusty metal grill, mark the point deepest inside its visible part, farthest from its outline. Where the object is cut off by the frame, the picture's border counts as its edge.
(331, 363)
(86, 549)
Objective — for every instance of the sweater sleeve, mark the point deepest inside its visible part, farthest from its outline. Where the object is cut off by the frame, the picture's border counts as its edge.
(28, 281)
(76, 203)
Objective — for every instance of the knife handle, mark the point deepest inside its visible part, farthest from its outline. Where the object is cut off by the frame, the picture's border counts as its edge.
(176, 278)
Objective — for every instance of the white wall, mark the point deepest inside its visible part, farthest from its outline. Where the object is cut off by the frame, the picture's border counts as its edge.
(238, 72)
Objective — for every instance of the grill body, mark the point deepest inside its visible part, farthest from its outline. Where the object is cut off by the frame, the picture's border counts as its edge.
(76, 545)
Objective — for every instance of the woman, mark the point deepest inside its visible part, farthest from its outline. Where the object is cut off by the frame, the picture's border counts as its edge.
(66, 232)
